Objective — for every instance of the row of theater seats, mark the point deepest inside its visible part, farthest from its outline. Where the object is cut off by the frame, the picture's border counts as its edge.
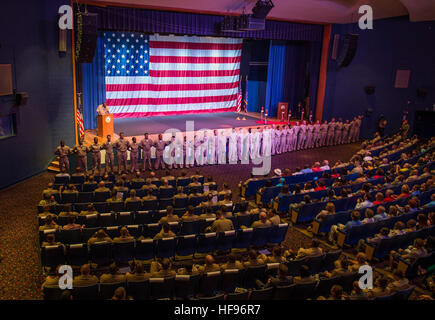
(341, 217)
(104, 252)
(308, 212)
(253, 186)
(211, 283)
(140, 205)
(79, 182)
(101, 196)
(128, 218)
(220, 285)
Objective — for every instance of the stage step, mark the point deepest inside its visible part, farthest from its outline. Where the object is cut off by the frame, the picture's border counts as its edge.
(54, 165)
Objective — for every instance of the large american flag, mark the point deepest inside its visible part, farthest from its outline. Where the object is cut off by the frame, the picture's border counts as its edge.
(167, 75)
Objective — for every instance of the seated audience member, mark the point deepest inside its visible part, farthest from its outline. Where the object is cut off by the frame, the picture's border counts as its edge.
(320, 186)
(68, 189)
(221, 224)
(46, 212)
(48, 224)
(189, 215)
(253, 259)
(209, 265)
(162, 270)
(120, 294)
(208, 214)
(243, 209)
(369, 216)
(102, 187)
(397, 229)
(306, 169)
(380, 289)
(114, 197)
(180, 194)
(329, 210)
(357, 293)
(431, 203)
(210, 184)
(379, 198)
(50, 240)
(99, 236)
(313, 250)
(273, 217)
(48, 200)
(124, 236)
(149, 196)
(304, 275)
(307, 188)
(165, 185)
(361, 260)
(325, 166)
(282, 279)
(170, 216)
(263, 222)
(422, 221)
(168, 176)
(410, 254)
(188, 269)
(165, 232)
(405, 192)
(50, 190)
(336, 293)
(340, 268)
(232, 263)
(208, 201)
(67, 211)
(113, 276)
(316, 167)
(138, 177)
(72, 225)
(399, 283)
(389, 196)
(85, 278)
(90, 210)
(138, 274)
(380, 214)
(52, 279)
(194, 183)
(226, 201)
(149, 185)
(276, 257)
(133, 197)
(411, 225)
(355, 221)
(225, 190)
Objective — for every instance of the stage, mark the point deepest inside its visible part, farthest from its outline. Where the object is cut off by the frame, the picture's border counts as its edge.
(156, 125)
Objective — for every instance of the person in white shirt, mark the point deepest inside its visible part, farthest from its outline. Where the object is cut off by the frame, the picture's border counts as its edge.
(267, 143)
(232, 146)
(222, 148)
(325, 165)
(245, 146)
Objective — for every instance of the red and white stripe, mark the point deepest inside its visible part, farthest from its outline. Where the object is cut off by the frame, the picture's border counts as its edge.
(186, 75)
(80, 123)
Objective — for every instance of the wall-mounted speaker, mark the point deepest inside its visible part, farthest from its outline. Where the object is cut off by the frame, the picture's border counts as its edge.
(88, 41)
(369, 89)
(421, 92)
(350, 44)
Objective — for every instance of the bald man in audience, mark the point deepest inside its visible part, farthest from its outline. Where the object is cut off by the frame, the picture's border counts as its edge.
(102, 187)
(124, 236)
(263, 222)
(63, 152)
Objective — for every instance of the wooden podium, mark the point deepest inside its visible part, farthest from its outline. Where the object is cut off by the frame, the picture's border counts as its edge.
(282, 108)
(105, 125)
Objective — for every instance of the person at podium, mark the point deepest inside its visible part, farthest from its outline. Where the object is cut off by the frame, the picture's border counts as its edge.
(103, 109)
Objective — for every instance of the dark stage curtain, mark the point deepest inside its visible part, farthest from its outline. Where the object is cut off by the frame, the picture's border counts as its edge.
(313, 71)
(153, 21)
(94, 87)
(275, 76)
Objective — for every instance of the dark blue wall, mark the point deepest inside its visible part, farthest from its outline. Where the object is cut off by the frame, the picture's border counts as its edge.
(29, 34)
(392, 44)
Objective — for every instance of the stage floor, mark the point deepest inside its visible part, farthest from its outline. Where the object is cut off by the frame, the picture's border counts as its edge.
(155, 125)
